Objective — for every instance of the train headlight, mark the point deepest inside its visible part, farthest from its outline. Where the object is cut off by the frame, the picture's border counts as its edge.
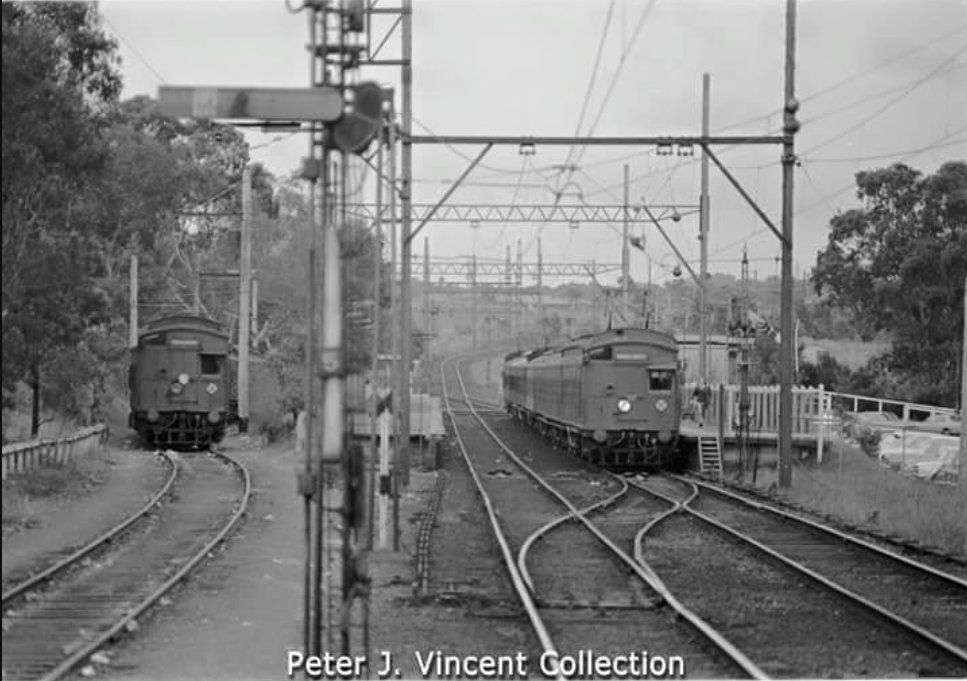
(212, 388)
(661, 405)
(175, 388)
(624, 405)
(183, 379)
(214, 417)
(153, 416)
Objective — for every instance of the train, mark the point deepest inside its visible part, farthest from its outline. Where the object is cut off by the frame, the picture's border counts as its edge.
(180, 383)
(612, 398)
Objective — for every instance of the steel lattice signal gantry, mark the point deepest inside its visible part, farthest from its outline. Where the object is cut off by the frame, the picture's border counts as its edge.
(540, 213)
(475, 272)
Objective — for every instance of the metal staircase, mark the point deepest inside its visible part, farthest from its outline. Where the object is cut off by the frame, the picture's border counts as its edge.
(709, 455)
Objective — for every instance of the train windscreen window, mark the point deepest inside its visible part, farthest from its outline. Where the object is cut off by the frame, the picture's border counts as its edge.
(660, 379)
(211, 364)
(600, 353)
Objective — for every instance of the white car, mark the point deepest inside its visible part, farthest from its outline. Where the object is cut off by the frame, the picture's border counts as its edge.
(902, 449)
(945, 424)
(943, 468)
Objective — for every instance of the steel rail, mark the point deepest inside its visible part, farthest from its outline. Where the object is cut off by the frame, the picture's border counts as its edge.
(931, 638)
(89, 648)
(647, 576)
(677, 507)
(537, 534)
(940, 574)
(520, 587)
(46, 575)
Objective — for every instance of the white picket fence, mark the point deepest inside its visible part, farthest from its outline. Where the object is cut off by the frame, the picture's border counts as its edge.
(811, 408)
(22, 456)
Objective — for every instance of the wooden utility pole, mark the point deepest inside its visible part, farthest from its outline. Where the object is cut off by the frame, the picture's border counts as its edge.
(245, 300)
(196, 287)
(396, 330)
(133, 303)
(473, 300)
(540, 284)
(518, 302)
(963, 402)
(786, 340)
(426, 306)
(406, 192)
(375, 420)
(703, 242)
(625, 254)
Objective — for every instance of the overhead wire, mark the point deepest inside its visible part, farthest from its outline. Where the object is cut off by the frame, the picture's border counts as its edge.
(917, 83)
(570, 167)
(594, 74)
(133, 49)
(513, 199)
(826, 90)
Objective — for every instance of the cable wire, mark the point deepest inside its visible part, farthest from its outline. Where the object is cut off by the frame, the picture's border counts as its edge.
(594, 75)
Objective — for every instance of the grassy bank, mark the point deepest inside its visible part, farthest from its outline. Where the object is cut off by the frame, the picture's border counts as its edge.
(29, 496)
(860, 491)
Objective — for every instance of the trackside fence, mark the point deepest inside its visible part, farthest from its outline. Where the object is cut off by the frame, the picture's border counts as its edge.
(22, 456)
(811, 408)
(814, 408)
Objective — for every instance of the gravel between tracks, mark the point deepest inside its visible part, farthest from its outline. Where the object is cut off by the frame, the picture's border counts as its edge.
(134, 477)
(43, 630)
(922, 598)
(589, 600)
(783, 621)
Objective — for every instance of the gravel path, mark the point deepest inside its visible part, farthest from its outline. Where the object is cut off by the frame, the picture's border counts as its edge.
(135, 476)
(240, 613)
(784, 622)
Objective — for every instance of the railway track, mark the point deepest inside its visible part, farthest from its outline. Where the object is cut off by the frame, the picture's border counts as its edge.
(584, 592)
(892, 615)
(45, 574)
(56, 620)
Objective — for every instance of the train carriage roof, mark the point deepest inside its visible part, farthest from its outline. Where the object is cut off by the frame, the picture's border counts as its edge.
(184, 322)
(629, 335)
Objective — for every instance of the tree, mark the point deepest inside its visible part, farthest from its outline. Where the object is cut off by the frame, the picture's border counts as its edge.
(898, 263)
(59, 74)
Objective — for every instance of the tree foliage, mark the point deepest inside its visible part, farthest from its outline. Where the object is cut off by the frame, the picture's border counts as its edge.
(59, 75)
(898, 263)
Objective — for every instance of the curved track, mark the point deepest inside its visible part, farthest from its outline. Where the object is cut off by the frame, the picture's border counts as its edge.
(41, 578)
(465, 418)
(917, 612)
(60, 618)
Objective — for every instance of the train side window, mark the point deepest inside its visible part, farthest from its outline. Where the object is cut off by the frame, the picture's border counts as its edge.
(211, 364)
(600, 353)
(660, 379)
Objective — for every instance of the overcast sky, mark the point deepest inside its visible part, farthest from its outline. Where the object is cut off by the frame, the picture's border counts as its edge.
(879, 82)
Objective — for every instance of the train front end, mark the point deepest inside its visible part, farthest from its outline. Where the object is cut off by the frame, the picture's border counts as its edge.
(179, 383)
(631, 396)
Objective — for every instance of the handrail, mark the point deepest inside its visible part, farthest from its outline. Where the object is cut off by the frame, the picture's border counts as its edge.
(21, 456)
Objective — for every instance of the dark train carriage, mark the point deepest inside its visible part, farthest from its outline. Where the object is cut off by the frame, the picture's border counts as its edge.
(613, 397)
(179, 382)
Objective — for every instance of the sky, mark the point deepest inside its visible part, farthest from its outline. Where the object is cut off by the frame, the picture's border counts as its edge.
(879, 82)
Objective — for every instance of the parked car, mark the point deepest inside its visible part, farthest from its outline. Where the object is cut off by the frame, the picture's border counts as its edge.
(946, 424)
(903, 449)
(944, 468)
